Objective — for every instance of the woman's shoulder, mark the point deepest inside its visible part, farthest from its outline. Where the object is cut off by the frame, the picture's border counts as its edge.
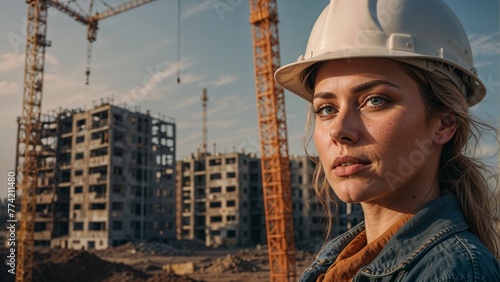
(460, 257)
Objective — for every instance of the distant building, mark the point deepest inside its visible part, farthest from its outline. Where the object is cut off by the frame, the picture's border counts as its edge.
(106, 177)
(220, 199)
(307, 215)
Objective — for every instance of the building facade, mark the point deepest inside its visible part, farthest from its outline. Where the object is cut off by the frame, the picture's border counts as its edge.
(106, 177)
(220, 200)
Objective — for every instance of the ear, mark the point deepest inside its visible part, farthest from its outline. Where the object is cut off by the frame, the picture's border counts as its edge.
(446, 130)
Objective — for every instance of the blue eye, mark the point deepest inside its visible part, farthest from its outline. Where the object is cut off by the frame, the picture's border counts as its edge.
(325, 111)
(376, 101)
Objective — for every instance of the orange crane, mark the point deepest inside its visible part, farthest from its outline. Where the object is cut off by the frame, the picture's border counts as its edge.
(30, 125)
(275, 161)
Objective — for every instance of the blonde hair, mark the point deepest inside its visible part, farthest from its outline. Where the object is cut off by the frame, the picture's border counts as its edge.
(465, 176)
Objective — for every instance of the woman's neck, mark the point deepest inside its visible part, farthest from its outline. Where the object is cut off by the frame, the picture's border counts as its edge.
(379, 216)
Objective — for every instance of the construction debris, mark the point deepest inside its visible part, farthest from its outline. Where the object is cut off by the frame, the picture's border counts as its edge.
(142, 263)
(170, 277)
(179, 268)
(72, 265)
(174, 248)
(155, 249)
(230, 264)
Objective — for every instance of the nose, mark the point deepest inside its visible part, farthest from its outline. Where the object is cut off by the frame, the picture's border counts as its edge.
(345, 128)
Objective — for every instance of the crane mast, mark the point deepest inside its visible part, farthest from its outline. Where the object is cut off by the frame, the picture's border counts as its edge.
(30, 125)
(275, 161)
(29, 133)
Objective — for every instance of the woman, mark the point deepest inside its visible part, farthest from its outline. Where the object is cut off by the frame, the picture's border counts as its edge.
(390, 90)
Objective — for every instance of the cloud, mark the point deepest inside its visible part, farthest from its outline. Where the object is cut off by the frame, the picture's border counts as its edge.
(8, 88)
(188, 78)
(11, 61)
(223, 80)
(148, 49)
(153, 78)
(152, 89)
(485, 150)
(185, 103)
(190, 138)
(196, 9)
(69, 89)
(211, 124)
(485, 44)
(221, 123)
(483, 63)
(51, 59)
(232, 106)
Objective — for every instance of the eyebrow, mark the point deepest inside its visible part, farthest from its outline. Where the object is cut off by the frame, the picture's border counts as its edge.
(358, 88)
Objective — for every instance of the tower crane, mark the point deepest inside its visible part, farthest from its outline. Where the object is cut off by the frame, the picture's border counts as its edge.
(275, 161)
(30, 125)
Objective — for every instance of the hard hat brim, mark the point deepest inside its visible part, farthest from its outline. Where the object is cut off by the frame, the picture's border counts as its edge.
(290, 76)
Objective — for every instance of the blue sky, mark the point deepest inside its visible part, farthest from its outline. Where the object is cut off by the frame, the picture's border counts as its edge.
(138, 50)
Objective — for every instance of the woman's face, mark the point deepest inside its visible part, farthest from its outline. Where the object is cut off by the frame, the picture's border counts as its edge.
(374, 139)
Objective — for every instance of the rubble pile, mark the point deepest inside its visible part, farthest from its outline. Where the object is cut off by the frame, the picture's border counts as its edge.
(175, 248)
(121, 250)
(155, 249)
(188, 245)
(170, 277)
(73, 265)
(230, 264)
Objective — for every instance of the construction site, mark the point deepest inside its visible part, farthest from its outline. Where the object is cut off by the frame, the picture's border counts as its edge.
(111, 192)
(111, 196)
(97, 193)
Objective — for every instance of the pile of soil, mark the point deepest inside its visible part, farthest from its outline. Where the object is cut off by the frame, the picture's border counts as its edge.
(150, 248)
(188, 244)
(155, 249)
(170, 277)
(143, 263)
(230, 264)
(74, 265)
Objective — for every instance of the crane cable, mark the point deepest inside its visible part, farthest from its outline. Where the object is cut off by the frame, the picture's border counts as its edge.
(89, 62)
(178, 41)
(89, 46)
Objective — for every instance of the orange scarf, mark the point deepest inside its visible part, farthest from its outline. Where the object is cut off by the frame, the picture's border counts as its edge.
(358, 254)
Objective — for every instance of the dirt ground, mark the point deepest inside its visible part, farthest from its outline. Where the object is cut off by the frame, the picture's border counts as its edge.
(144, 263)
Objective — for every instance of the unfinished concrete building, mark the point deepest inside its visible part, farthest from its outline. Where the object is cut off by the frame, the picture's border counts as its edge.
(220, 200)
(106, 177)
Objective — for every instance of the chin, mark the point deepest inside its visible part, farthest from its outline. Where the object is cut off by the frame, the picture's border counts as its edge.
(351, 194)
(350, 199)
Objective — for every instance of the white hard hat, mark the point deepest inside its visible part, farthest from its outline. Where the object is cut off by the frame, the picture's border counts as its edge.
(424, 33)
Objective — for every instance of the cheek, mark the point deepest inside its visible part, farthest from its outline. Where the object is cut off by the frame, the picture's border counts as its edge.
(397, 134)
(385, 132)
(321, 139)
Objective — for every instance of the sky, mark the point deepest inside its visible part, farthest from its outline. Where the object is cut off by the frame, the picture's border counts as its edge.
(136, 52)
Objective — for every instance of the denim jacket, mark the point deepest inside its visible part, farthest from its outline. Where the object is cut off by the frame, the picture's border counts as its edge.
(434, 245)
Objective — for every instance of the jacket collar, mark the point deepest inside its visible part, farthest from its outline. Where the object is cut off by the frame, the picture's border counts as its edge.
(435, 222)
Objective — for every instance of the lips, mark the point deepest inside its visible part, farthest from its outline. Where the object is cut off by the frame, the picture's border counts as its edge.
(348, 165)
(348, 160)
